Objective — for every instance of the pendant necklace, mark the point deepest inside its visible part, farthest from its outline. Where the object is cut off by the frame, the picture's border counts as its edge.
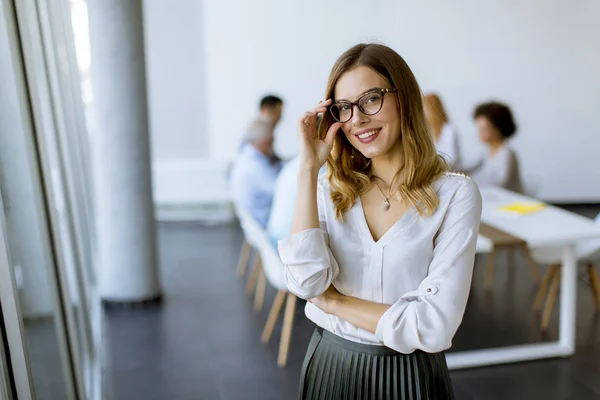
(386, 202)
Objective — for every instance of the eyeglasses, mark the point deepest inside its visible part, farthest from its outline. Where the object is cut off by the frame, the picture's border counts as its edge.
(369, 103)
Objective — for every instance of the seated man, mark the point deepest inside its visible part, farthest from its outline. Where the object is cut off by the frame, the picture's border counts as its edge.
(255, 171)
(270, 108)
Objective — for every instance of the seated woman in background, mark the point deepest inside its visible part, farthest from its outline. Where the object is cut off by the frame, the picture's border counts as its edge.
(500, 166)
(443, 133)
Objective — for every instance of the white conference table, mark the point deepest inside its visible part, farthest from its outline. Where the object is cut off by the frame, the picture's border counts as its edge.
(549, 227)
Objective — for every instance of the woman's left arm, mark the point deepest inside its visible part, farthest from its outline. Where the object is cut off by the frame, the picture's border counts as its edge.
(428, 317)
(360, 313)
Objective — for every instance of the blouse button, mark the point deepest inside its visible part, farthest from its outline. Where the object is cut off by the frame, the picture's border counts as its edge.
(431, 290)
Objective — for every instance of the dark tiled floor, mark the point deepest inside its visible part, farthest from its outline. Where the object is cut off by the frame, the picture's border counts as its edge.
(44, 356)
(203, 342)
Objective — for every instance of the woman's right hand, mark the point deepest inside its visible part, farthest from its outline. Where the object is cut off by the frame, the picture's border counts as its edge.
(314, 151)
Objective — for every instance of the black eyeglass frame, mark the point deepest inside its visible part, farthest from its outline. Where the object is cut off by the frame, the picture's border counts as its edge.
(357, 103)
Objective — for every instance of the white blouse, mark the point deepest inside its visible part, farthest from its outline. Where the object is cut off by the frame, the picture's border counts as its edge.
(501, 169)
(421, 267)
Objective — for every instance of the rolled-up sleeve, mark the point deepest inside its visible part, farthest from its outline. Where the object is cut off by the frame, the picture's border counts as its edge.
(427, 319)
(309, 265)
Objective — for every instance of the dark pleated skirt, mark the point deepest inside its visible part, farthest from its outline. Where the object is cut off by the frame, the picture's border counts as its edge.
(335, 368)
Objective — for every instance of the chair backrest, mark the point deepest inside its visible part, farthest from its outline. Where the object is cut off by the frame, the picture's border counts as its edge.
(258, 238)
(246, 222)
(589, 249)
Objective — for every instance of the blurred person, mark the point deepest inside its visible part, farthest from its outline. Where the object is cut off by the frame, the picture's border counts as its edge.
(270, 108)
(500, 165)
(255, 171)
(279, 225)
(284, 200)
(382, 247)
(443, 132)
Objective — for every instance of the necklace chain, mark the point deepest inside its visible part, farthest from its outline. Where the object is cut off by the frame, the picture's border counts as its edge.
(386, 202)
(381, 190)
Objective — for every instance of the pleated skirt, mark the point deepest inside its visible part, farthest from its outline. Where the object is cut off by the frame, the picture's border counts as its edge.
(335, 368)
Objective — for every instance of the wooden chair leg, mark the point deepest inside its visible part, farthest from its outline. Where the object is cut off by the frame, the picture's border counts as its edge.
(550, 300)
(251, 284)
(243, 260)
(543, 290)
(286, 331)
(273, 315)
(489, 270)
(595, 283)
(533, 267)
(261, 288)
(510, 257)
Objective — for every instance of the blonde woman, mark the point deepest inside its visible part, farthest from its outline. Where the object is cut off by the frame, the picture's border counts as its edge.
(383, 247)
(443, 132)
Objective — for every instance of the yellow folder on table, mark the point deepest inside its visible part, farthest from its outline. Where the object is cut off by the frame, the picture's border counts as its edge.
(522, 208)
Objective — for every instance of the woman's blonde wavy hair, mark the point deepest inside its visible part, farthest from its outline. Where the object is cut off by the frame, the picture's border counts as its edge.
(348, 176)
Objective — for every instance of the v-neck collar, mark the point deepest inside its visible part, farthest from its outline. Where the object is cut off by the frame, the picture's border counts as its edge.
(397, 227)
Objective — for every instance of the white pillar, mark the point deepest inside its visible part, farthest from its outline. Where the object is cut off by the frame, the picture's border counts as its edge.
(126, 230)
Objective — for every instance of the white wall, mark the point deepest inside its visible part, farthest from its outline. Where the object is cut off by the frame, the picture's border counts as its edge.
(541, 57)
(176, 74)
